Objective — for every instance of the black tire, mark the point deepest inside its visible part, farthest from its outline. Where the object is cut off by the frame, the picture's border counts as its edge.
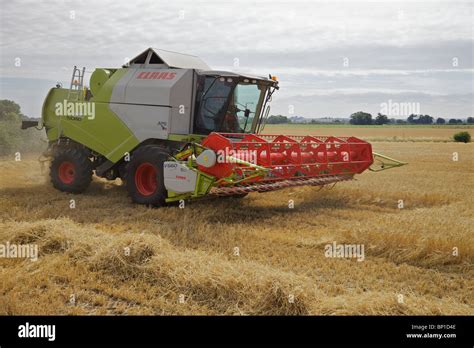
(71, 169)
(144, 176)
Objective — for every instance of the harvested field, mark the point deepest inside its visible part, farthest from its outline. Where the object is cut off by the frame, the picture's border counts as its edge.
(108, 256)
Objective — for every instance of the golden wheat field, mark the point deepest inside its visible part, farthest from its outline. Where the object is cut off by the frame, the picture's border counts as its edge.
(185, 261)
(414, 133)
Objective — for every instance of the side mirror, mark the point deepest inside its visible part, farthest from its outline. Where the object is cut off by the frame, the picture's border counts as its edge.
(247, 113)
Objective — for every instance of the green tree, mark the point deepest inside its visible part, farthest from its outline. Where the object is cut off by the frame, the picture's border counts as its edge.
(420, 119)
(440, 120)
(462, 137)
(361, 117)
(10, 111)
(278, 119)
(381, 119)
(12, 138)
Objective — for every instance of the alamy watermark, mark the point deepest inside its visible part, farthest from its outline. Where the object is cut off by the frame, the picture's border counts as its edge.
(28, 330)
(75, 110)
(345, 251)
(235, 156)
(25, 251)
(392, 108)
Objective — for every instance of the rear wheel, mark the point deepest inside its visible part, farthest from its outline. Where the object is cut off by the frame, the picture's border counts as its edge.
(71, 170)
(145, 183)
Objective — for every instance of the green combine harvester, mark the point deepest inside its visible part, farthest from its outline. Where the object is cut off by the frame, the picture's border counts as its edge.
(171, 128)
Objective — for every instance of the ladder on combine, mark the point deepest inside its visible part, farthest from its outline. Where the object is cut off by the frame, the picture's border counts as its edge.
(77, 83)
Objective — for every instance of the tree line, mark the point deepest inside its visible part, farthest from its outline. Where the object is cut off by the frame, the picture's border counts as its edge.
(364, 118)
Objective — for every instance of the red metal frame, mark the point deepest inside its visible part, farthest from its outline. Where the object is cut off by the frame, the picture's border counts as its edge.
(289, 157)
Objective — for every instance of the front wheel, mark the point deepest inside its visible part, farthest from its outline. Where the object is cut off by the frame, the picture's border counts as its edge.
(145, 182)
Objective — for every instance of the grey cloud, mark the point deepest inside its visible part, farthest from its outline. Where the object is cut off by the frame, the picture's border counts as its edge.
(396, 47)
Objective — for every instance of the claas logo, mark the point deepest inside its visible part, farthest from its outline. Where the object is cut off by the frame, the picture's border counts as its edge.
(156, 75)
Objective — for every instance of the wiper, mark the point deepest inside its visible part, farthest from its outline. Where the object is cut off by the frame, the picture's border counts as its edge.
(208, 88)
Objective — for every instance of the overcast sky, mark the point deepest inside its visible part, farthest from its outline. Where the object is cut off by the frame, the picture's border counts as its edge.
(332, 58)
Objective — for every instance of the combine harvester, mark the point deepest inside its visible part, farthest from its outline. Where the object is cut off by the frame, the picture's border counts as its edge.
(173, 129)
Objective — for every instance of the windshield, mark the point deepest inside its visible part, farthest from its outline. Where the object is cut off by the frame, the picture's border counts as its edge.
(246, 101)
(212, 97)
(223, 104)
